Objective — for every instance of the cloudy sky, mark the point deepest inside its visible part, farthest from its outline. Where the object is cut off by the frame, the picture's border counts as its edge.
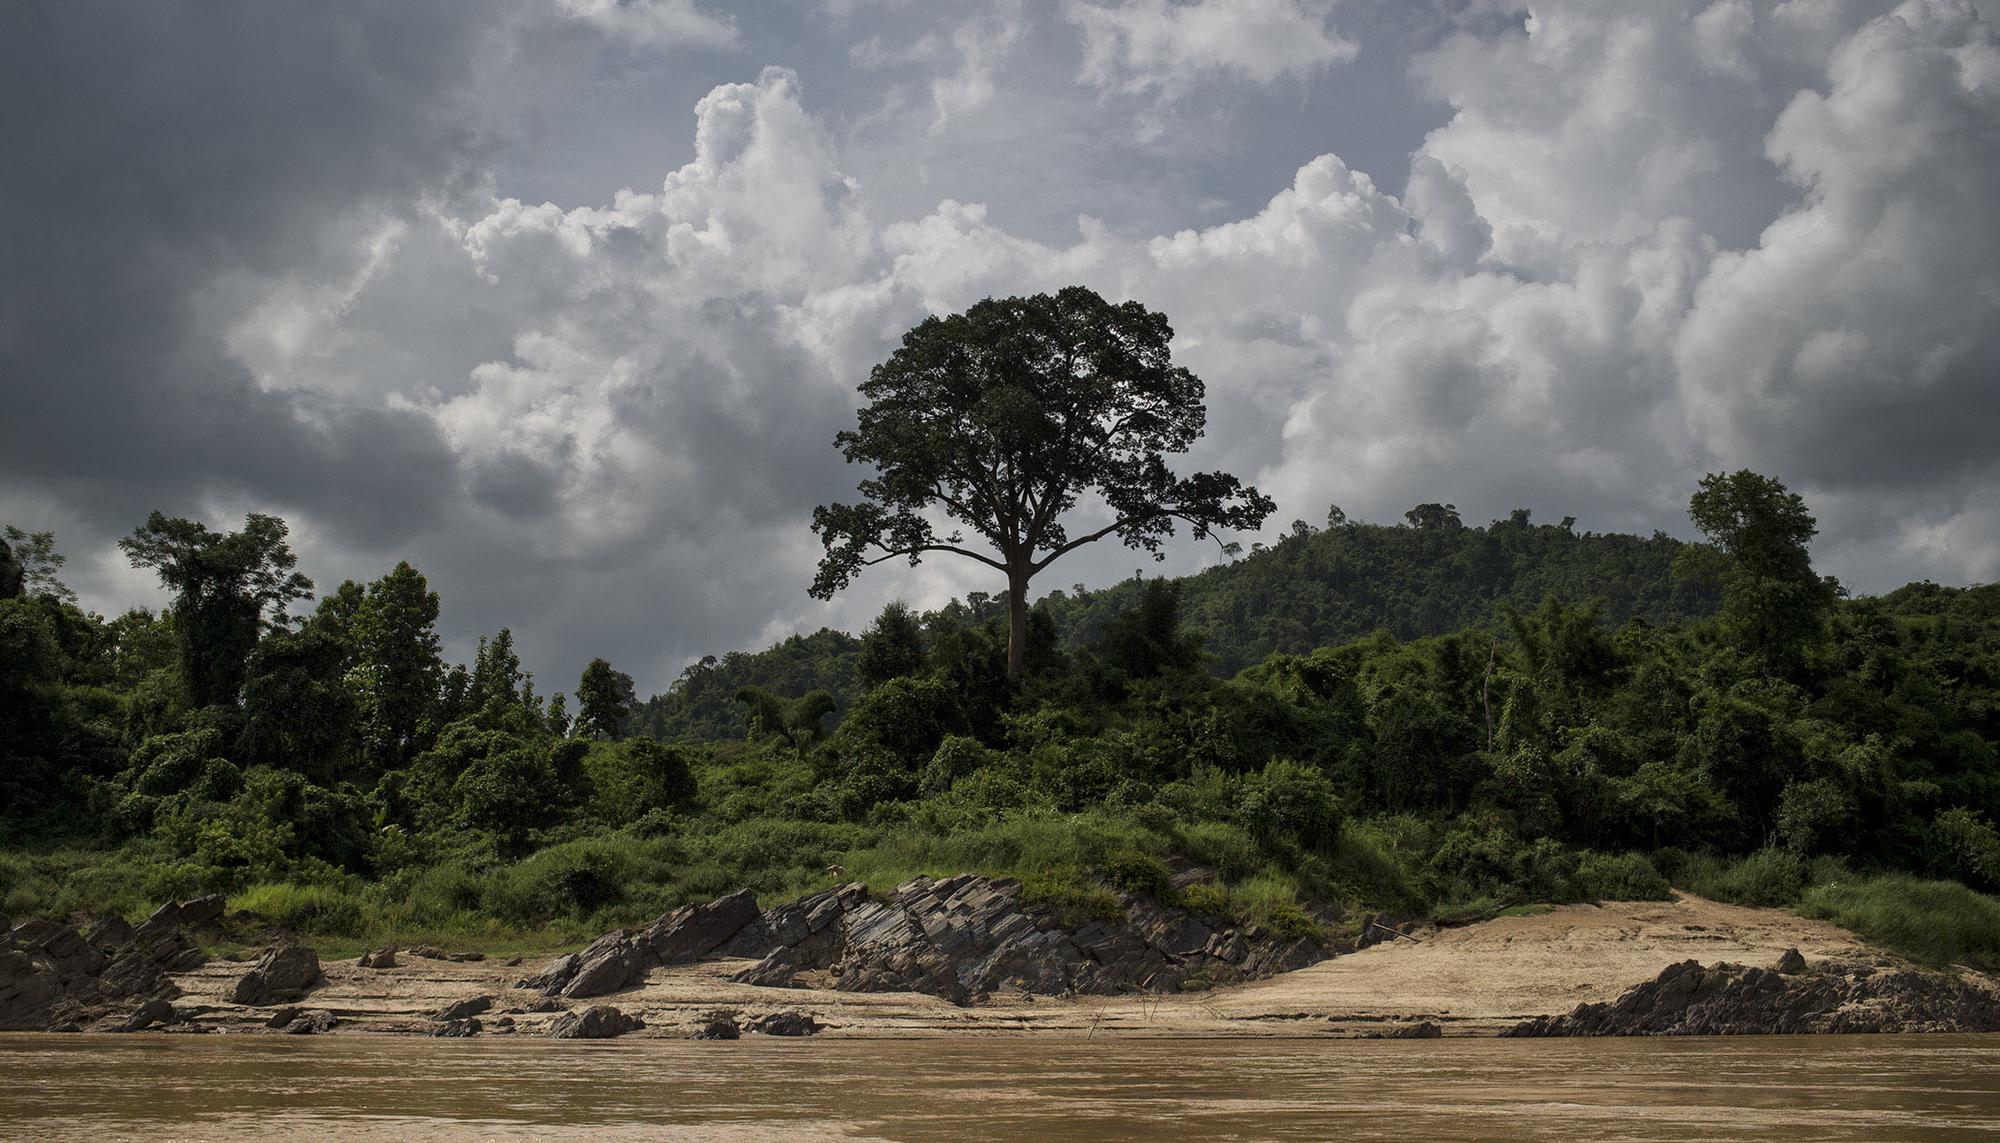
(564, 300)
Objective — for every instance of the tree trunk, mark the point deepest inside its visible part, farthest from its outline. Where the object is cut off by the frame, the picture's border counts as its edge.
(1017, 621)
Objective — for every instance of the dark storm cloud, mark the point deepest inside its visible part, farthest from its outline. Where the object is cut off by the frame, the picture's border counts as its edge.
(156, 147)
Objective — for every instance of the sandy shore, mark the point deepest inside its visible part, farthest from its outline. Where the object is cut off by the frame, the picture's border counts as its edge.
(1471, 980)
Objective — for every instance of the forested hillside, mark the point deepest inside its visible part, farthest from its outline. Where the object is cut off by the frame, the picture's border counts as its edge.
(1316, 587)
(330, 770)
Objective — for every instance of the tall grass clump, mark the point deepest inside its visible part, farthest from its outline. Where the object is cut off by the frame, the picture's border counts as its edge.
(1937, 922)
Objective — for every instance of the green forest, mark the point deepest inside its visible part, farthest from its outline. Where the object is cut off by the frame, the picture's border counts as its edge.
(1427, 719)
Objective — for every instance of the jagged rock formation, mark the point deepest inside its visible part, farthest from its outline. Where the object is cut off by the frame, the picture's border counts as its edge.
(283, 973)
(959, 938)
(52, 975)
(1733, 999)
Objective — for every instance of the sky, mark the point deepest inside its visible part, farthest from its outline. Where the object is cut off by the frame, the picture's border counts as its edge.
(563, 301)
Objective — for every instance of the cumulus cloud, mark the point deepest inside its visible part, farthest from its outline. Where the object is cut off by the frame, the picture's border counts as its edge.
(1644, 242)
(656, 24)
(1146, 45)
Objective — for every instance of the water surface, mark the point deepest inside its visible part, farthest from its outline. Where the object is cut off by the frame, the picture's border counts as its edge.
(1877, 1088)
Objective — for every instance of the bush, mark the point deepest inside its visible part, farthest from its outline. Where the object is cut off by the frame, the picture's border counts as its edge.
(1142, 873)
(1772, 878)
(1620, 877)
(316, 910)
(1291, 809)
(1938, 922)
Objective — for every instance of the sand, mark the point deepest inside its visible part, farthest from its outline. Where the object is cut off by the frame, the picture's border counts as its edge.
(1472, 980)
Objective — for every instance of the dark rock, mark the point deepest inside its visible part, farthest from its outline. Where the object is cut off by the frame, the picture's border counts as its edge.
(381, 958)
(691, 931)
(283, 1016)
(134, 975)
(716, 1030)
(149, 1014)
(312, 1022)
(187, 960)
(598, 1022)
(1732, 999)
(282, 974)
(967, 936)
(432, 952)
(459, 1028)
(472, 1006)
(558, 973)
(511, 961)
(203, 912)
(788, 1023)
(1792, 963)
(1422, 1030)
(110, 935)
(165, 922)
(29, 989)
(615, 961)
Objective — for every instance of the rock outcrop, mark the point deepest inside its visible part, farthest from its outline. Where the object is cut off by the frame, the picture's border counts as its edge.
(598, 1022)
(969, 936)
(787, 1023)
(1733, 999)
(960, 938)
(284, 973)
(52, 975)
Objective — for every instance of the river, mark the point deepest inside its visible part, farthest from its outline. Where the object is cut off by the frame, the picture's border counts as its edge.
(354, 1088)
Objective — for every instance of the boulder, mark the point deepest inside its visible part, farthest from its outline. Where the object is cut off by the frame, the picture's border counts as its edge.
(149, 1014)
(615, 961)
(552, 978)
(458, 1029)
(312, 1022)
(1792, 963)
(717, 1029)
(380, 958)
(597, 1022)
(787, 1023)
(284, 973)
(110, 935)
(203, 912)
(462, 1009)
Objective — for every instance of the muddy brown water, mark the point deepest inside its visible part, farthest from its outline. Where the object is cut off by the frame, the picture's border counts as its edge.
(159, 1088)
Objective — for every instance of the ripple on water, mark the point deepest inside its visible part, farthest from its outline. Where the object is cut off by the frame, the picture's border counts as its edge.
(1882, 1089)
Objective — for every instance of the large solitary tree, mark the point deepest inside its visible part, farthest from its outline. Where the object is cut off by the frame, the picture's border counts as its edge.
(1000, 419)
(1773, 602)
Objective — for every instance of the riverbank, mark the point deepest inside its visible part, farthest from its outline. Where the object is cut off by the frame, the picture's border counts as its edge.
(1478, 979)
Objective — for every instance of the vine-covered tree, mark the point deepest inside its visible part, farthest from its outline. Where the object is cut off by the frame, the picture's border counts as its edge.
(224, 585)
(604, 701)
(1001, 419)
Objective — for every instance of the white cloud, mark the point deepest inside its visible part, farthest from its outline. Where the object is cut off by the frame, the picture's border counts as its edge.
(655, 24)
(1146, 45)
(1575, 305)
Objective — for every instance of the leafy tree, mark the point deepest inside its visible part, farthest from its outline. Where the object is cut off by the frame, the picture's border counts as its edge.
(604, 701)
(36, 566)
(892, 646)
(399, 670)
(1772, 601)
(225, 585)
(1002, 417)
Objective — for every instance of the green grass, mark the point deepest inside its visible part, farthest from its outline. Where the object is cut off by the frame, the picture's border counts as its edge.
(1936, 922)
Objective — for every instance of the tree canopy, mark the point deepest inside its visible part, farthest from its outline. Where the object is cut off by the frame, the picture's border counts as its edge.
(1002, 419)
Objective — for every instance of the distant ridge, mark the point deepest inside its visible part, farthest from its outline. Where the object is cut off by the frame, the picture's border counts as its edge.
(1315, 587)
